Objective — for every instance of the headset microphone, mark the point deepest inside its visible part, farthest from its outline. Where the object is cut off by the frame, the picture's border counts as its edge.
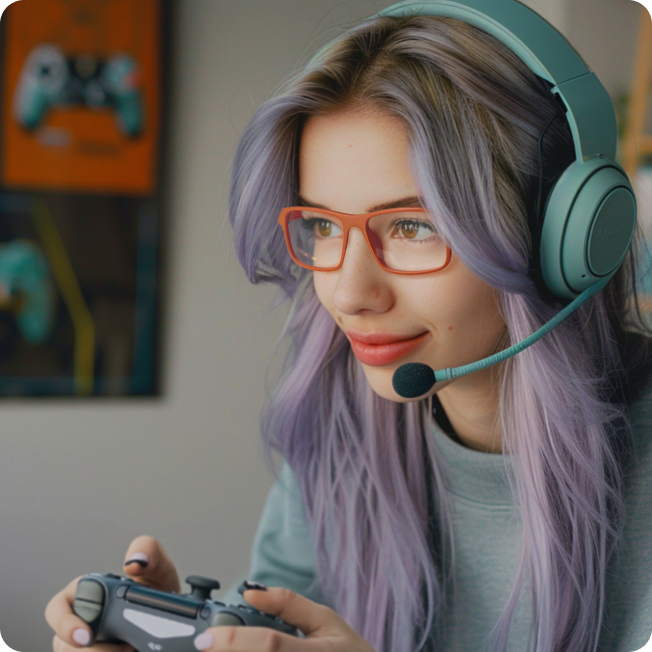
(414, 379)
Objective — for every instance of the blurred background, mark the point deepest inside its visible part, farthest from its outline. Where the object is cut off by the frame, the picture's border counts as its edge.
(135, 357)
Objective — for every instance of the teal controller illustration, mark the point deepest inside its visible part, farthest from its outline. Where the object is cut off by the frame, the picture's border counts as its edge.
(50, 79)
(120, 610)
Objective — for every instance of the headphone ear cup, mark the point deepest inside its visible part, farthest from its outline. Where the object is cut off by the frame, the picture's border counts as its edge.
(588, 225)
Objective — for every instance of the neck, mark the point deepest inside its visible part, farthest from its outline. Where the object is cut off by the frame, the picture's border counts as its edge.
(471, 406)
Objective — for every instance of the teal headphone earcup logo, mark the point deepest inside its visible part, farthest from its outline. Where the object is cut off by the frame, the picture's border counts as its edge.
(588, 225)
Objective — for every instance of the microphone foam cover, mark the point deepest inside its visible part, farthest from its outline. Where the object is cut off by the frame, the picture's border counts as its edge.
(413, 379)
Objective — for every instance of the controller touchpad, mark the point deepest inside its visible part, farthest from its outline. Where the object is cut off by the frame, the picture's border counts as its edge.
(157, 626)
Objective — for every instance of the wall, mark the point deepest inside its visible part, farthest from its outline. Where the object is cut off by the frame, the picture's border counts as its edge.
(79, 480)
(605, 32)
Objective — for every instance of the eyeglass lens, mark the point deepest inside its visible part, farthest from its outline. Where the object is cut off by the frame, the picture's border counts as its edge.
(403, 241)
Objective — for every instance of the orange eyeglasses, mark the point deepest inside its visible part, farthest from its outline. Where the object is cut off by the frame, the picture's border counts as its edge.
(402, 240)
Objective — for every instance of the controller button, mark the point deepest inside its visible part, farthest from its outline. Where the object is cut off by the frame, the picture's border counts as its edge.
(90, 590)
(224, 618)
(87, 611)
(89, 598)
(205, 612)
(122, 589)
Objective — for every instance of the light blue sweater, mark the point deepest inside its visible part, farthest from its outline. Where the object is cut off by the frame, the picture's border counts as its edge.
(487, 543)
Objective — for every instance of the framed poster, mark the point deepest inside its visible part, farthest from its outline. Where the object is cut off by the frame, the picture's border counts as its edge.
(80, 114)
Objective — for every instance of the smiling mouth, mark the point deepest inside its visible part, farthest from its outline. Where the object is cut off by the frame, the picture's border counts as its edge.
(384, 352)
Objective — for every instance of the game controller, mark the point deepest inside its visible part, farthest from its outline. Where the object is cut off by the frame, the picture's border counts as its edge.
(49, 79)
(120, 610)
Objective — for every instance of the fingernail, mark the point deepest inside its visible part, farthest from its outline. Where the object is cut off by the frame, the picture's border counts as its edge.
(140, 558)
(248, 585)
(81, 636)
(204, 641)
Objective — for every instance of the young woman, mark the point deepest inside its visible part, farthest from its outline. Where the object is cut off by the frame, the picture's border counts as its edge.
(509, 509)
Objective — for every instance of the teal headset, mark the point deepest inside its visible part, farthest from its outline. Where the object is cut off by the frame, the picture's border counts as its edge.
(588, 222)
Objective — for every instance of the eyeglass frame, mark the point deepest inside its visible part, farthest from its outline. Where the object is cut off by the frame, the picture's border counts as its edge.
(348, 222)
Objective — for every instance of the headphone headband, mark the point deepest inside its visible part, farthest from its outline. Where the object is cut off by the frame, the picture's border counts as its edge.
(547, 53)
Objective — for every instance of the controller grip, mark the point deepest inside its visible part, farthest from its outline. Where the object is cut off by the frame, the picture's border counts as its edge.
(42, 83)
(122, 79)
(130, 113)
(31, 106)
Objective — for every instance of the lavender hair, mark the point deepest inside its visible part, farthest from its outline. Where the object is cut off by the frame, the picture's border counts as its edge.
(368, 467)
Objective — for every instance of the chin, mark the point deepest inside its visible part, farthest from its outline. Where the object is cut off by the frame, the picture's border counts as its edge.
(380, 381)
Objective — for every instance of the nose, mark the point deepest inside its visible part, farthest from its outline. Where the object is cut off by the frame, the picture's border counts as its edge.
(361, 284)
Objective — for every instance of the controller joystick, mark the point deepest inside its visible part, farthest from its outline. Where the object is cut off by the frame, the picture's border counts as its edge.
(120, 610)
(202, 586)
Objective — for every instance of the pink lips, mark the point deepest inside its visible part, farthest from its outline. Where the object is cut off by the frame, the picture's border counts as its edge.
(379, 349)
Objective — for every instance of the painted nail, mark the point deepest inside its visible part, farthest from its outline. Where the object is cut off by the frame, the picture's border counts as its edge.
(81, 636)
(140, 558)
(204, 641)
(248, 585)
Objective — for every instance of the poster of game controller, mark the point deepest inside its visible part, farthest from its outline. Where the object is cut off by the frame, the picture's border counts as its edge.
(81, 95)
(80, 114)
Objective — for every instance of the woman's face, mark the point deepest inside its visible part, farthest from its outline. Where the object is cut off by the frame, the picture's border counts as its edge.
(353, 162)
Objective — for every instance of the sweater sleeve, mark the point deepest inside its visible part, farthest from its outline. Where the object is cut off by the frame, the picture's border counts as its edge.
(282, 552)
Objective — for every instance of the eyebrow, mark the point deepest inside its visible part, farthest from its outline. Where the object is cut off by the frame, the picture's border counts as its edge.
(405, 202)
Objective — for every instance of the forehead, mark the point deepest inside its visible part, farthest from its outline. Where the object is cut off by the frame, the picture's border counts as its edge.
(352, 160)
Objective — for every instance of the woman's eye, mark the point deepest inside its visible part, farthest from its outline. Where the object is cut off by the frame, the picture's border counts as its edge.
(413, 230)
(322, 227)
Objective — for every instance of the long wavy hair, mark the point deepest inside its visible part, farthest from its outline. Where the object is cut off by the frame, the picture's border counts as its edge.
(368, 467)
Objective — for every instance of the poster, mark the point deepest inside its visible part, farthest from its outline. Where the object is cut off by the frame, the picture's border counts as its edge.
(80, 121)
(81, 91)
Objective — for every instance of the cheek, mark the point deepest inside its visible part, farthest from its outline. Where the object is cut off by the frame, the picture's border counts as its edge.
(476, 316)
(461, 307)
(324, 284)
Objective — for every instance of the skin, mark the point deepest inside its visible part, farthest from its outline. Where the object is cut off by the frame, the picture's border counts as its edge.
(351, 163)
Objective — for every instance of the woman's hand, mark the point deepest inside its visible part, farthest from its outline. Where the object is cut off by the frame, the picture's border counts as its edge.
(146, 561)
(325, 631)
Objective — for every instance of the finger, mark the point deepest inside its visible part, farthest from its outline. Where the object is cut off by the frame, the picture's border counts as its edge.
(146, 561)
(310, 617)
(61, 646)
(246, 639)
